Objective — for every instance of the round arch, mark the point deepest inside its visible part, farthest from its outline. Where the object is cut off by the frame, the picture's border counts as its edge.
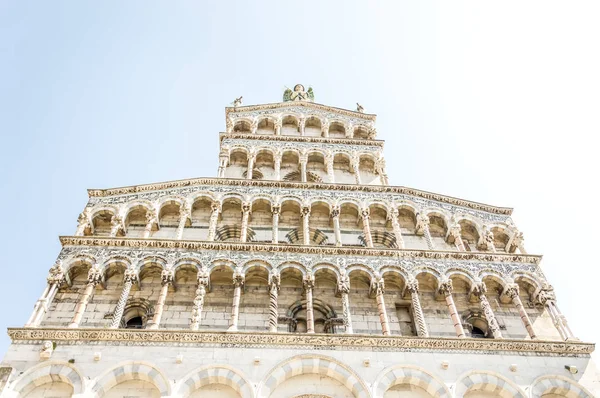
(132, 371)
(48, 372)
(559, 385)
(313, 364)
(413, 375)
(488, 381)
(215, 374)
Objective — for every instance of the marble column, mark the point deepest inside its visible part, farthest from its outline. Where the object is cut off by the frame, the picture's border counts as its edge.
(94, 278)
(254, 126)
(380, 168)
(378, 287)
(305, 211)
(349, 130)
(365, 213)
(446, 289)
(184, 214)
(203, 286)
(116, 225)
(413, 288)
(56, 277)
(325, 128)
(455, 237)
(335, 216)
(302, 126)
(329, 165)
(215, 208)
(309, 284)
(129, 279)
(479, 291)
(250, 166)
(150, 221)
(238, 282)
(277, 166)
(512, 291)
(356, 168)
(276, 209)
(343, 288)
(396, 227)
(423, 228)
(245, 215)
(166, 277)
(223, 161)
(547, 298)
(274, 284)
(303, 162)
(278, 123)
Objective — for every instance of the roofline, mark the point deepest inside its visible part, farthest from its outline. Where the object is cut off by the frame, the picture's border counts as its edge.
(274, 105)
(299, 185)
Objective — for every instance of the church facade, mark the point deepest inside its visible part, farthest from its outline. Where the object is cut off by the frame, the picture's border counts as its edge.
(297, 272)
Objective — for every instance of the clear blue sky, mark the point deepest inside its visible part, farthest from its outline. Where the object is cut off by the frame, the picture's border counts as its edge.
(495, 103)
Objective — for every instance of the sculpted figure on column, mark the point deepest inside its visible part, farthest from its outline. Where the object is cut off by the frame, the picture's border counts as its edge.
(274, 285)
(412, 285)
(305, 225)
(479, 290)
(151, 220)
(246, 207)
(203, 286)
(343, 288)
(488, 239)
(423, 229)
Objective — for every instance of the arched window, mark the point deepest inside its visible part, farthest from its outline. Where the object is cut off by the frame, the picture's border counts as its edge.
(135, 323)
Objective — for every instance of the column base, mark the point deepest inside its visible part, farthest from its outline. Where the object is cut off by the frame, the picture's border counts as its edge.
(73, 325)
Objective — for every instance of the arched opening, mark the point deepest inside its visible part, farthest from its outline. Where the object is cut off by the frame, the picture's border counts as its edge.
(290, 220)
(361, 133)
(398, 308)
(218, 300)
(337, 130)
(200, 219)
(215, 390)
(469, 235)
(135, 222)
(312, 127)
(500, 239)
(382, 233)
(342, 171)
(133, 389)
(326, 305)
(266, 127)
(229, 227)
(366, 169)
(350, 225)
(290, 125)
(242, 126)
(291, 290)
(102, 223)
(254, 302)
(168, 220)
(290, 163)
(261, 221)
(264, 166)
(54, 389)
(360, 289)
(315, 167)
(439, 230)
(238, 163)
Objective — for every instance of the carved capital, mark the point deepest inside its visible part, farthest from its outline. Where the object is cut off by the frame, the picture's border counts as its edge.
(94, 275)
(238, 278)
(56, 273)
(343, 285)
(377, 286)
(365, 213)
(83, 219)
(546, 295)
(455, 230)
(335, 211)
(479, 289)
(445, 287)
(305, 211)
(422, 221)
(167, 276)
(512, 290)
(309, 281)
(215, 207)
(130, 276)
(274, 279)
(412, 286)
(246, 206)
(203, 277)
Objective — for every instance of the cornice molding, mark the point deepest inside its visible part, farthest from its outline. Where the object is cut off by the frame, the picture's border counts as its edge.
(299, 249)
(310, 341)
(299, 185)
(292, 138)
(294, 104)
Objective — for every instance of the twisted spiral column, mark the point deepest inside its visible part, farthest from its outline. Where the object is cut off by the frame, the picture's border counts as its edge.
(274, 284)
(203, 285)
(413, 287)
(129, 279)
(365, 213)
(214, 219)
(479, 290)
(396, 228)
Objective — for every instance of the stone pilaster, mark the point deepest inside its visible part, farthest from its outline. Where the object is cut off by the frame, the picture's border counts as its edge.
(446, 289)
(274, 284)
(203, 286)
(413, 288)
(238, 282)
(479, 290)
(309, 284)
(166, 277)
(129, 279)
(94, 278)
(512, 291)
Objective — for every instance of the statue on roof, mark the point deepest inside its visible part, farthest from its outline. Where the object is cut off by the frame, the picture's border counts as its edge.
(237, 102)
(360, 108)
(299, 94)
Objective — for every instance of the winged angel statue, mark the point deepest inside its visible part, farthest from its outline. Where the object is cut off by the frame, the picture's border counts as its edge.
(299, 94)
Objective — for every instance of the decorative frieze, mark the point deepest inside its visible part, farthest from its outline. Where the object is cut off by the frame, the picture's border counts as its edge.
(255, 145)
(306, 341)
(299, 138)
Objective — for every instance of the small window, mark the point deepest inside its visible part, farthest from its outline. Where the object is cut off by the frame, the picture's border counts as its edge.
(135, 323)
